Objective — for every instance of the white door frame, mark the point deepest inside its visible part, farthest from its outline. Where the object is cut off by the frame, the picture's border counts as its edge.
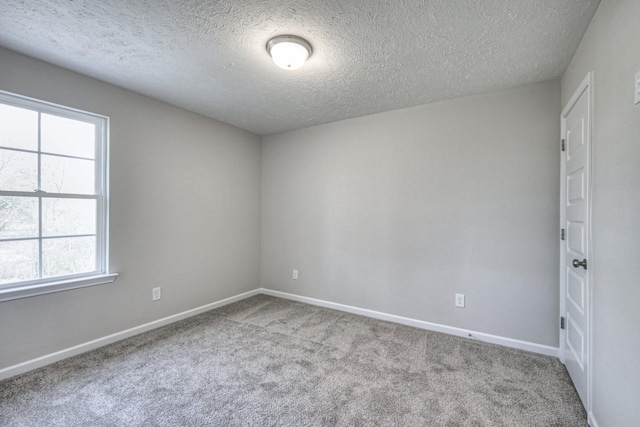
(585, 86)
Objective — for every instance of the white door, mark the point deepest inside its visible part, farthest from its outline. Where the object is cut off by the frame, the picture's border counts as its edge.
(575, 263)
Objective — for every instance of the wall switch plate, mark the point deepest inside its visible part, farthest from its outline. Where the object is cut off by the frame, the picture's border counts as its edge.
(459, 300)
(637, 88)
(156, 294)
(295, 275)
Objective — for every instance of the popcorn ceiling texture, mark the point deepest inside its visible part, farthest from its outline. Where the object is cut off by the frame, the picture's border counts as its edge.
(369, 56)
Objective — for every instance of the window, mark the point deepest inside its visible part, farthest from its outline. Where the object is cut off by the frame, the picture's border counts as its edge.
(53, 198)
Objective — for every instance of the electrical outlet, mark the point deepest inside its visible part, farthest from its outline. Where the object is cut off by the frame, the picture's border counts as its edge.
(295, 275)
(156, 294)
(459, 300)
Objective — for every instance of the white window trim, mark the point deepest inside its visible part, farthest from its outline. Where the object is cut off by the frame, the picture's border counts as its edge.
(50, 286)
(24, 289)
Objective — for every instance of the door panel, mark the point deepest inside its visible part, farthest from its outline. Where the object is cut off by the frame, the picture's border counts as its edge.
(575, 187)
(576, 341)
(575, 290)
(575, 138)
(576, 238)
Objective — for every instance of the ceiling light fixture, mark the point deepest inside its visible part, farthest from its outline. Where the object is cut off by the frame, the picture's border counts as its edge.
(289, 52)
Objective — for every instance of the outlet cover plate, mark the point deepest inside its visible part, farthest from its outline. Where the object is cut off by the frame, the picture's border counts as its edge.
(459, 300)
(156, 294)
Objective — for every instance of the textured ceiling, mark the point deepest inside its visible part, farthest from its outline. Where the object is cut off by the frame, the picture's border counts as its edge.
(369, 56)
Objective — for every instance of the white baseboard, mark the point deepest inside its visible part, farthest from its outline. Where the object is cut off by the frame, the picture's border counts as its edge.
(39, 362)
(494, 339)
(592, 420)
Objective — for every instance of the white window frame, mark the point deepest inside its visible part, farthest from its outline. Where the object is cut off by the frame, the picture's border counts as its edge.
(101, 275)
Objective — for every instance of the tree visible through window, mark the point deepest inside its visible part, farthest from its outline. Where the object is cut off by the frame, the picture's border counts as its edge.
(52, 192)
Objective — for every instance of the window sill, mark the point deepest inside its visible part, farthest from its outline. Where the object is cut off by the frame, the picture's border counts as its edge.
(55, 286)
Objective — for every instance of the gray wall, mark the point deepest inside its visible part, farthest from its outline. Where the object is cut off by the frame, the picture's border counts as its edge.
(185, 215)
(397, 212)
(611, 49)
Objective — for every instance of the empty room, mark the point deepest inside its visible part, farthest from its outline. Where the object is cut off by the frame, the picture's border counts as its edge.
(320, 213)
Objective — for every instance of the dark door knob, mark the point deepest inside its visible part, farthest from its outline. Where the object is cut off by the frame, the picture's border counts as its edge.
(582, 263)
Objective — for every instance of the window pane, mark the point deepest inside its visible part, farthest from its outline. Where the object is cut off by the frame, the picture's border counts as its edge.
(18, 217)
(18, 171)
(18, 261)
(72, 255)
(65, 175)
(68, 216)
(18, 128)
(68, 136)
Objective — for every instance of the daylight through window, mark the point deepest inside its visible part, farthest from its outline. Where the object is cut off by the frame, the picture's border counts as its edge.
(53, 204)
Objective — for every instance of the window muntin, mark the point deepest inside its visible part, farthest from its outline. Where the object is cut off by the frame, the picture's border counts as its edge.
(53, 193)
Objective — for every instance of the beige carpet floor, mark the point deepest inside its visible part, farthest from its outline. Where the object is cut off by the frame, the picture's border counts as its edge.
(266, 361)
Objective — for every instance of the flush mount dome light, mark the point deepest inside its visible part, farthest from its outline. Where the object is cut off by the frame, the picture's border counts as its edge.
(289, 52)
